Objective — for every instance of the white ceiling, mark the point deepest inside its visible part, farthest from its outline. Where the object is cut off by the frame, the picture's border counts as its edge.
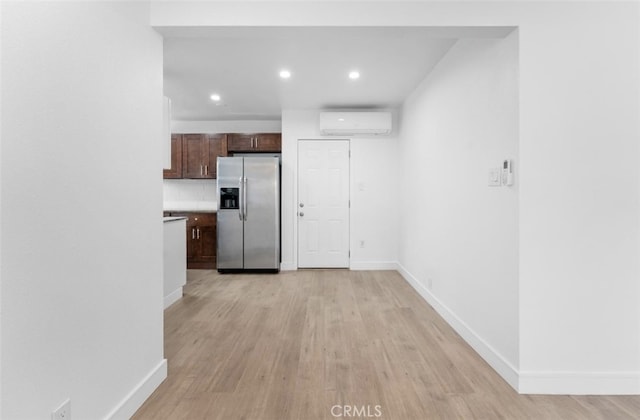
(241, 64)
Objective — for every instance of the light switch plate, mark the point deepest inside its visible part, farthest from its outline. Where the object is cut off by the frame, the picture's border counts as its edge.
(494, 177)
(63, 412)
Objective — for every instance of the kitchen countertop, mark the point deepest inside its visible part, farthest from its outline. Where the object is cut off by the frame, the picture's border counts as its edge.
(173, 219)
(192, 206)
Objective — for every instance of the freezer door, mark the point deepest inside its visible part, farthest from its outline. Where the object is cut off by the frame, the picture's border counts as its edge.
(262, 213)
(229, 224)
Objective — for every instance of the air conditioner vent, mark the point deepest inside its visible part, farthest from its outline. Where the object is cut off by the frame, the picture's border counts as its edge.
(355, 123)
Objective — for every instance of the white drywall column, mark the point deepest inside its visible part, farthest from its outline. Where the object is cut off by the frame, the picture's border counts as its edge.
(81, 199)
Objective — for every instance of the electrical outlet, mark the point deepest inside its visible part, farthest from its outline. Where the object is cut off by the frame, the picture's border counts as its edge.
(63, 412)
(361, 243)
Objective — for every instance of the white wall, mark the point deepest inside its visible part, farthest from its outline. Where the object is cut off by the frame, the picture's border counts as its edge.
(81, 243)
(234, 126)
(579, 309)
(373, 173)
(1, 358)
(579, 319)
(189, 194)
(459, 236)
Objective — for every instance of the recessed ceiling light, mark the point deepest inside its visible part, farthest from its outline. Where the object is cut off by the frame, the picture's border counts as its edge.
(353, 75)
(285, 74)
(215, 97)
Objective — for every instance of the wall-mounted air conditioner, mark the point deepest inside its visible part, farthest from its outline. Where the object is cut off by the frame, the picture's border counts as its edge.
(347, 123)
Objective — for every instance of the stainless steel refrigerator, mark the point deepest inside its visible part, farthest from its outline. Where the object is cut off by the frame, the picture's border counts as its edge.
(248, 214)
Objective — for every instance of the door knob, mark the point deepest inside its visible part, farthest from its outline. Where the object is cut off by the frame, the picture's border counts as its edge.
(301, 214)
(301, 205)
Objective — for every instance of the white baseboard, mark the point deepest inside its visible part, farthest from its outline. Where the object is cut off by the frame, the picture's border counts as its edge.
(172, 297)
(531, 382)
(486, 351)
(580, 383)
(288, 266)
(134, 400)
(373, 265)
(354, 265)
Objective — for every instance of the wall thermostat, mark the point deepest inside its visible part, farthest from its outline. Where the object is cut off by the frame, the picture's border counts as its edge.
(507, 172)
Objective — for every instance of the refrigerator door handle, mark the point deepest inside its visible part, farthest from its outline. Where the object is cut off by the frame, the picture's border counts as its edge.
(241, 199)
(244, 198)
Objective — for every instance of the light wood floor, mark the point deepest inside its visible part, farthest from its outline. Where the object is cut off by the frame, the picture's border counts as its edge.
(293, 345)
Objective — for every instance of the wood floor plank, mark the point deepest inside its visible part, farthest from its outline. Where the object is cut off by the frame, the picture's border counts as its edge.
(297, 344)
(312, 350)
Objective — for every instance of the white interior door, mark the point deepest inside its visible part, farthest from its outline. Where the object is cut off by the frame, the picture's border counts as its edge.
(323, 203)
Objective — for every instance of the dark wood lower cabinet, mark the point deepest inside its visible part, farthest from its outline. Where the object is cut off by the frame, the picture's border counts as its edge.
(207, 237)
(201, 239)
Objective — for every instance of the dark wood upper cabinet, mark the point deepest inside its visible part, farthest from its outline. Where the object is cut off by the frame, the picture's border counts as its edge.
(217, 148)
(264, 142)
(240, 142)
(195, 156)
(200, 153)
(176, 158)
(194, 152)
(269, 142)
